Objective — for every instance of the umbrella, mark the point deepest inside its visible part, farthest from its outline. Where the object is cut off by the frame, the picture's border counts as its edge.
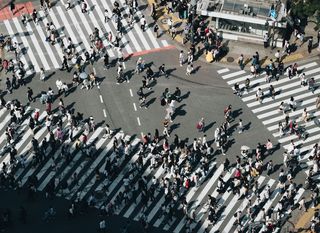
(83, 75)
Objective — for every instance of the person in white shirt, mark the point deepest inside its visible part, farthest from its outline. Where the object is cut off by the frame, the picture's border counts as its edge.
(143, 23)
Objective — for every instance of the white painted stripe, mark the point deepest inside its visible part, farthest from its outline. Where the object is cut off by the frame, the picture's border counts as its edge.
(276, 112)
(291, 115)
(92, 167)
(101, 99)
(56, 45)
(71, 164)
(101, 169)
(124, 23)
(131, 94)
(4, 122)
(275, 83)
(228, 208)
(287, 94)
(282, 88)
(14, 39)
(314, 138)
(292, 137)
(215, 195)
(24, 41)
(101, 17)
(123, 39)
(296, 97)
(150, 34)
(138, 119)
(104, 113)
(76, 24)
(3, 110)
(201, 196)
(223, 71)
(134, 106)
(67, 28)
(241, 79)
(46, 44)
(141, 36)
(36, 45)
(241, 208)
(164, 43)
(231, 75)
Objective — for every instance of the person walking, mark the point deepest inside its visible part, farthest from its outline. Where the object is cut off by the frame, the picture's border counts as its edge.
(241, 62)
(30, 95)
(310, 44)
(200, 125)
(165, 132)
(143, 23)
(156, 30)
(181, 58)
(189, 69)
(42, 74)
(318, 102)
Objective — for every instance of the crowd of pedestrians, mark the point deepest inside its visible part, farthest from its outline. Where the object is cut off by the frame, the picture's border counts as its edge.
(185, 164)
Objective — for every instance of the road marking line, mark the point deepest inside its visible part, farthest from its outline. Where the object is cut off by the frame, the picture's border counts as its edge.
(223, 71)
(134, 106)
(138, 119)
(101, 100)
(131, 92)
(142, 135)
(105, 113)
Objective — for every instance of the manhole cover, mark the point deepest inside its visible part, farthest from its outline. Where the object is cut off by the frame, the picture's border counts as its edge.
(230, 59)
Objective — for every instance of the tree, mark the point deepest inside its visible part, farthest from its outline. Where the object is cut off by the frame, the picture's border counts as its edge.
(306, 8)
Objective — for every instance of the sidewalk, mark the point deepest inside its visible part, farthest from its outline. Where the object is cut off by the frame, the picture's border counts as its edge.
(236, 48)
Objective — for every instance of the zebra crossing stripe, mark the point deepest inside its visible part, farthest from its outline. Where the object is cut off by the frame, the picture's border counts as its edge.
(262, 195)
(92, 166)
(66, 25)
(123, 38)
(215, 194)
(24, 125)
(48, 48)
(190, 195)
(225, 70)
(230, 206)
(56, 45)
(24, 42)
(107, 29)
(201, 196)
(234, 74)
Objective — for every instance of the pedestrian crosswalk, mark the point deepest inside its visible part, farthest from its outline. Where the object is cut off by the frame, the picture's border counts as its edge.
(268, 111)
(37, 53)
(103, 175)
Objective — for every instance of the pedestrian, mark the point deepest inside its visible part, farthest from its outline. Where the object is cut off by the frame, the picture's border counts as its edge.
(42, 74)
(241, 62)
(318, 102)
(269, 168)
(277, 56)
(200, 125)
(8, 86)
(240, 126)
(166, 123)
(310, 45)
(30, 95)
(69, 5)
(302, 204)
(226, 165)
(84, 6)
(266, 40)
(305, 115)
(64, 63)
(156, 30)
(189, 69)
(162, 71)
(102, 226)
(106, 16)
(259, 95)
(181, 58)
(268, 146)
(272, 92)
(143, 23)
